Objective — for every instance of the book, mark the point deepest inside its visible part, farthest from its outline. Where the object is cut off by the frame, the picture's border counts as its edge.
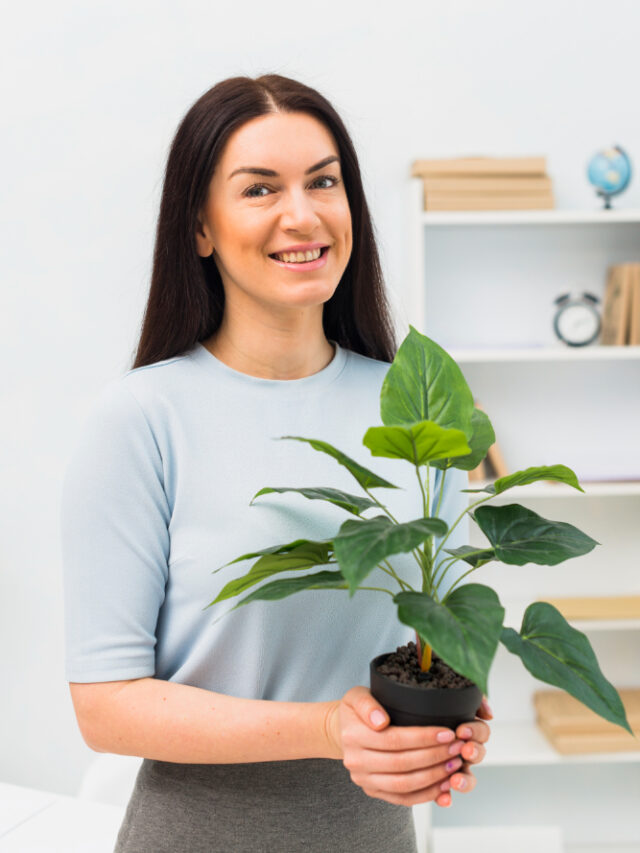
(488, 184)
(472, 201)
(616, 306)
(479, 166)
(634, 308)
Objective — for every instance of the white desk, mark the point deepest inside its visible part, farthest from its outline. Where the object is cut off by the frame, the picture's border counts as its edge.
(33, 821)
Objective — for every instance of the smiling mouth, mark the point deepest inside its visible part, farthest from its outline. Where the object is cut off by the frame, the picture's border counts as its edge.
(303, 265)
(323, 251)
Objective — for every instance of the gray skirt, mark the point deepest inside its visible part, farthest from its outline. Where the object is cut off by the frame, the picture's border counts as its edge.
(308, 805)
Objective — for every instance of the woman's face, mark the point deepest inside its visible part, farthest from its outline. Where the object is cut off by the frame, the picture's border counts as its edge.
(248, 217)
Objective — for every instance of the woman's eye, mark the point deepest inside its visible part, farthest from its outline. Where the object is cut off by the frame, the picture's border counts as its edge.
(249, 193)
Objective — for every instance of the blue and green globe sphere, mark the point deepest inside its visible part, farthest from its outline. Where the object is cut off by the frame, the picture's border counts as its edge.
(609, 170)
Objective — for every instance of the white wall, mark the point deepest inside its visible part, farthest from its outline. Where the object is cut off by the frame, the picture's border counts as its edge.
(92, 94)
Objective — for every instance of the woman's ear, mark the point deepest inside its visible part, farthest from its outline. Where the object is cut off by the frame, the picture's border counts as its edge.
(203, 243)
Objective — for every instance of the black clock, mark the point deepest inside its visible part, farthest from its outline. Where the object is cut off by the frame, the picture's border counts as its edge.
(577, 321)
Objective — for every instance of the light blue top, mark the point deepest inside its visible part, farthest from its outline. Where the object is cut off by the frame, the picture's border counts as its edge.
(156, 496)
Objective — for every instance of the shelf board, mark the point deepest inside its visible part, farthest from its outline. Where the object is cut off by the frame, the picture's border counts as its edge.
(543, 353)
(542, 489)
(598, 216)
(515, 608)
(520, 743)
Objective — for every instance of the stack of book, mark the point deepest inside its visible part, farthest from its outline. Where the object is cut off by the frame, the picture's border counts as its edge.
(572, 728)
(621, 306)
(485, 183)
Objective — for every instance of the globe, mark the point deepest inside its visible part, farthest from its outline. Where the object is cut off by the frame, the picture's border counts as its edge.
(609, 170)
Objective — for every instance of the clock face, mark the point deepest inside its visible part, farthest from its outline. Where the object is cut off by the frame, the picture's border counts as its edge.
(578, 324)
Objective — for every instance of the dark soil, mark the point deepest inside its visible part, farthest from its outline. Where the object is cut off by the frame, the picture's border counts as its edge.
(403, 666)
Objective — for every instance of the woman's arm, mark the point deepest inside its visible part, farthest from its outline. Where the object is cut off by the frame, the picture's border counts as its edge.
(167, 721)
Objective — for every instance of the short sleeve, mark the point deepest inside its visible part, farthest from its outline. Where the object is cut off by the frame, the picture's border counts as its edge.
(114, 524)
(454, 503)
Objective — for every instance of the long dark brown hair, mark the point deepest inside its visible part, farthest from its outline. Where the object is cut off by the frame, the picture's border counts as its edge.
(186, 296)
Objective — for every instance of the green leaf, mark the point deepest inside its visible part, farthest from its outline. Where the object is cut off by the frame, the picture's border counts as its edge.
(559, 473)
(360, 545)
(480, 442)
(283, 587)
(417, 443)
(476, 557)
(464, 631)
(425, 384)
(302, 556)
(280, 549)
(555, 652)
(367, 479)
(520, 536)
(352, 503)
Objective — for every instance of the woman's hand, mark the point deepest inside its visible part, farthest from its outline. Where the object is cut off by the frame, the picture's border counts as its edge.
(473, 750)
(404, 765)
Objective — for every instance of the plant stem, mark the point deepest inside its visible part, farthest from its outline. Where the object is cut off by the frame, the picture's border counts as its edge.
(458, 520)
(425, 498)
(390, 571)
(451, 560)
(453, 586)
(395, 521)
(444, 471)
(378, 589)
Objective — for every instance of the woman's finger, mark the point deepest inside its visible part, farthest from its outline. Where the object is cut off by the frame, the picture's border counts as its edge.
(472, 752)
(462, 781)
(477, 730)
(484, 711)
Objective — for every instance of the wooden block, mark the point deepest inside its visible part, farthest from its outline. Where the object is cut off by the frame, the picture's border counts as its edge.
(468, 201)
(476, 475)
(480, 166)
(590, 742)
(634, 312)
(616, 307)
(488, 184)
(561, 714)
(607, 607)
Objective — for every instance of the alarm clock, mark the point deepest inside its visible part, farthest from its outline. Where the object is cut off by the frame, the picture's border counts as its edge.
(577, 321)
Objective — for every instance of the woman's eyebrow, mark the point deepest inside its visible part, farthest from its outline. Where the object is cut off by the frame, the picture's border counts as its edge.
(252, 170)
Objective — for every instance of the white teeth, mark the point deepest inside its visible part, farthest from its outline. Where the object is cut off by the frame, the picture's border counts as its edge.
(299, 257)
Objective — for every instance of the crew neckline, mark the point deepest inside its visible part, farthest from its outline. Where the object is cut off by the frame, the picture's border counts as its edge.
(313, 382)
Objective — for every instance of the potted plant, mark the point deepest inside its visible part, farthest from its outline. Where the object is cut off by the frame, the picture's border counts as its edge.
(429, 419)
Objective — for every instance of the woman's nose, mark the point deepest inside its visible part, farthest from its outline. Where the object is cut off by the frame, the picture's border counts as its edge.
(299, 211)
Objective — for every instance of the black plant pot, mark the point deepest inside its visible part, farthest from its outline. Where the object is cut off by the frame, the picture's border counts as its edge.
(416, 706)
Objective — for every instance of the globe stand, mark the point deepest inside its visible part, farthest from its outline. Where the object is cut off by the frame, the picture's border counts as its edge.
(607, 199)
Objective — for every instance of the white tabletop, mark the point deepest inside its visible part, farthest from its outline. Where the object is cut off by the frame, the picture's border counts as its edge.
(34, 821)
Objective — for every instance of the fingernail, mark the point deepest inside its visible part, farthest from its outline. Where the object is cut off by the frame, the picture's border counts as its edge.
(455, 748)
(454, 764)
(445, 737)
(446, 785)
(461, 783)
(466, 732)
(487, 707)
(377, 717)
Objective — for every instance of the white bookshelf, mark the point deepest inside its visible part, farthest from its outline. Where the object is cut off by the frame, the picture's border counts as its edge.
(597, 216)
(546, 353)
(552, 489)
(483, 285)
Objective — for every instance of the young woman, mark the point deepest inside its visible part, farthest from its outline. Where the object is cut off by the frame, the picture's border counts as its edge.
(266, 317)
